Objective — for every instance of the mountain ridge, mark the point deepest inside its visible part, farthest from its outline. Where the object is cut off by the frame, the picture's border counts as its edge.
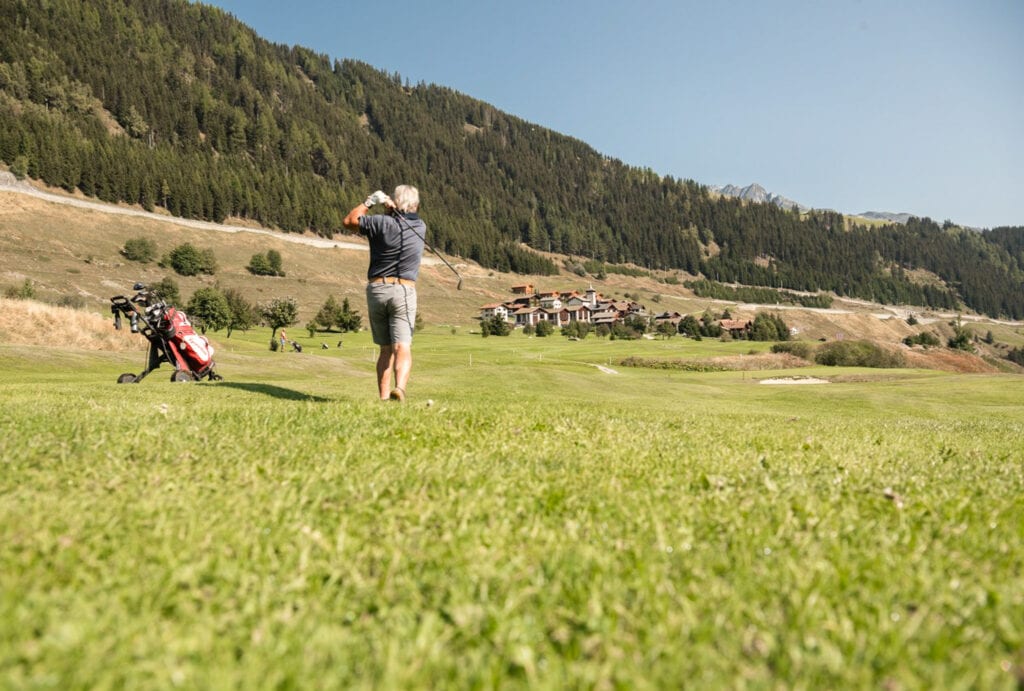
(754, 192)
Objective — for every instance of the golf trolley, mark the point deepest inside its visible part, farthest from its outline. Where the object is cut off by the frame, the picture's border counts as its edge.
(170, 334)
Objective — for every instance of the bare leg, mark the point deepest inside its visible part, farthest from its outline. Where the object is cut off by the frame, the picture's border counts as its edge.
(402, 364)
(385, 366)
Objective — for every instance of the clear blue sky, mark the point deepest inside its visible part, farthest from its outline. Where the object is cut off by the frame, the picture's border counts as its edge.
(855, 105)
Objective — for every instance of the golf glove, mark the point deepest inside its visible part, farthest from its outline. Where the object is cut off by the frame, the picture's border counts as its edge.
(377, 197)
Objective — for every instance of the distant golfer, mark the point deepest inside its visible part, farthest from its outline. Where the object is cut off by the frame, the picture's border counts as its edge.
(396, 248)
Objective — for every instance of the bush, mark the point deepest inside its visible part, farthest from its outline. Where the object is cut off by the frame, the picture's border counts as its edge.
(804, 351)
(857, 354)
(26, 291)
(187, 260)
(268, 264)
(576, 329)
(925, 338)
(76, 302)
(167, 289)
(1016, 355)
(962, 337)
(496, 326)
(139, 250)
(545, 328)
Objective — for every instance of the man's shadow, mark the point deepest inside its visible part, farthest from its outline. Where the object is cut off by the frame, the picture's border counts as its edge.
(273, 391)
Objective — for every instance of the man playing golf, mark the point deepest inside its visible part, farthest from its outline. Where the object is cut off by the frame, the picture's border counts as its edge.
(396, 248)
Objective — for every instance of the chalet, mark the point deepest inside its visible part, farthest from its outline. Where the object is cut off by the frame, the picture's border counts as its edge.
(551, 301)
(669, 317)
(494, 310)
(528, 307)
(579, 313)
(737, 328)
(557, 316)
(527, 316)
(524, 301)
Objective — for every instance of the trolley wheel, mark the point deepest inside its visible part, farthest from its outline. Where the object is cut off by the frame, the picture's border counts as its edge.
(126, 378)
(216, 377)
(181, 375)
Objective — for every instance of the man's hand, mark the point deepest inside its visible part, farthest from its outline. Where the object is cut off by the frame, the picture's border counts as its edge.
(377, 197)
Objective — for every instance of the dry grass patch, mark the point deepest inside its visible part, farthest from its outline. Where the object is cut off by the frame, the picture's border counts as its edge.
(26, 322)
(725, 363)
(947, 360)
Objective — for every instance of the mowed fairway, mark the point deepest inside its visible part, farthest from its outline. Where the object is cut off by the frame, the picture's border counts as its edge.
(545, 523)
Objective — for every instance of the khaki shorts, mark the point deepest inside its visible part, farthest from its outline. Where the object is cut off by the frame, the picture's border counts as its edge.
(392, 312)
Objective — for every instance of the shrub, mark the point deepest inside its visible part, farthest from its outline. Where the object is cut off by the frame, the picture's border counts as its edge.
(962, 337)
(26, 291)
(857, 354)
(1016, 355)
(76, 302)
(139, 250)
(268, 264)
(802, 350)
(925, 338)
(274, 259)
(576, 329)
(188, 260)
(496, 326)
(167, 289)
(259, 265)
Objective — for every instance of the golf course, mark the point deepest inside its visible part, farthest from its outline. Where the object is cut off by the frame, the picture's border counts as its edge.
(535, 515)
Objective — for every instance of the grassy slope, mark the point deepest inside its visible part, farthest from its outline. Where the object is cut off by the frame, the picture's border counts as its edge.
(542, 523)
(68, 251)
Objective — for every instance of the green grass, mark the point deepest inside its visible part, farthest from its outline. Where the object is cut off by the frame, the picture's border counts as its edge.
(542, 524)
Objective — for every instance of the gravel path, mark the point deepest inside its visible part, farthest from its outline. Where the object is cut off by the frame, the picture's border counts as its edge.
(9, 183)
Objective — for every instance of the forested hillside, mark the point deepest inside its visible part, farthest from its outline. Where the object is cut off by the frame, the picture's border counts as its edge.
(179, 105)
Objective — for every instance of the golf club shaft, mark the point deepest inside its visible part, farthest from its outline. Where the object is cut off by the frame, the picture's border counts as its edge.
(401, 221)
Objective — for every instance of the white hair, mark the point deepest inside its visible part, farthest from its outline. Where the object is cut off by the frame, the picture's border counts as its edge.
(407, 198)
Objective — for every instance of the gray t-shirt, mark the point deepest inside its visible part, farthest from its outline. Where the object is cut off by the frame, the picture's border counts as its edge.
(395, 249)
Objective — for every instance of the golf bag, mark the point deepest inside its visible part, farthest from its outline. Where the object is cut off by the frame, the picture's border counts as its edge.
(170, 334)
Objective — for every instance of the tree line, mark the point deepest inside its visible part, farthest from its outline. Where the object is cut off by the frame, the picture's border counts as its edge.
(167, 103)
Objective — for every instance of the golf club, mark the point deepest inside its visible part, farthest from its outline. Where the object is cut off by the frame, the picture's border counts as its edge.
(401, 221)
